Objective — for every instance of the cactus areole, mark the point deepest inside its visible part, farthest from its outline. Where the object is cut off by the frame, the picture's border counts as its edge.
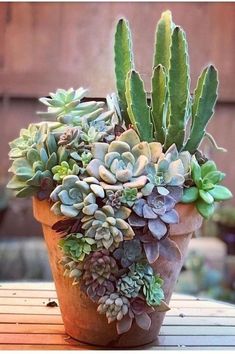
(120, 187)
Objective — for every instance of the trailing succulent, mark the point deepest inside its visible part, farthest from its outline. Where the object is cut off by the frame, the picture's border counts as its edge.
(114, 177)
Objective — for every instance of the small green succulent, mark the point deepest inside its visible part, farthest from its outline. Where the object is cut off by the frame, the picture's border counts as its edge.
(207, 189)
(29, 138)
(64, 169)
(129, 196)
(153, 291)
(77, 246)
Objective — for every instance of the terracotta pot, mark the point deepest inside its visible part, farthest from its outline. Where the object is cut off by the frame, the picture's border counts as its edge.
(79, 314)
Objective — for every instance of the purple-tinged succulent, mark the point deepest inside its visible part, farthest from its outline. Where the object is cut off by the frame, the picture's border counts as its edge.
(100, 265)
(166, 248)
(114, 198)
(100, 270)
(139, 312)
(67, 226)
(70, 138)
(95, 290)
(157, 211)
(128, 253)
(46, 187)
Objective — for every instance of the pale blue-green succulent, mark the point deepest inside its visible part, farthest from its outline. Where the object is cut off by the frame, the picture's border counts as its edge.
(171, 169)
(33, 172)
(29, 138)
(75, 195)
(130, 285)
(123, 162)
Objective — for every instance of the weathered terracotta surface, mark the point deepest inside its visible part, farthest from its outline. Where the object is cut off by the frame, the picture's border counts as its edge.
(79, 314)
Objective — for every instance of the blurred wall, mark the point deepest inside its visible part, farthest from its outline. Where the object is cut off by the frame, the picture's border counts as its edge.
(48, 45)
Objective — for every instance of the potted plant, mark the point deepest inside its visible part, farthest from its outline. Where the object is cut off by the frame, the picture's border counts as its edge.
(119, 192)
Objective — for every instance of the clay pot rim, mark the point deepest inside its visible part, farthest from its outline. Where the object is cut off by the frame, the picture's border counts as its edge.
(190, 219)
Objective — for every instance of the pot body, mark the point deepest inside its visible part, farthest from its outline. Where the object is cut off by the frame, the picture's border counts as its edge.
(79, 314)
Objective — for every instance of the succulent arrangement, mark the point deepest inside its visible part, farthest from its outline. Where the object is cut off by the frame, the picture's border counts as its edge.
(115, 175)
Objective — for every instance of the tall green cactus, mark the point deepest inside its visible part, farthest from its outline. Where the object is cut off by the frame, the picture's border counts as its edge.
(163, 40)
(171, 106)
(178, 86)
(123, 58)
(159, 102)
(137, 107)
(203, 106)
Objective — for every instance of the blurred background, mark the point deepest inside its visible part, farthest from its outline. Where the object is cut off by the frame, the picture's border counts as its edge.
(44, 46)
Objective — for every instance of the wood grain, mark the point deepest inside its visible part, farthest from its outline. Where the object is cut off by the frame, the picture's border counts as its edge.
(206, 324)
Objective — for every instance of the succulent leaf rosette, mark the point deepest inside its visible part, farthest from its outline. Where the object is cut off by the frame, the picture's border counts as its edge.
(114, 172)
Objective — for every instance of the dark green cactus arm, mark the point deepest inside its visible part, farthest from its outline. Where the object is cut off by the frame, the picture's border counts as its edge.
(203, 106)
(138, 109)
(163, 40)
(178, 86)
(158, 100)
(123, 59)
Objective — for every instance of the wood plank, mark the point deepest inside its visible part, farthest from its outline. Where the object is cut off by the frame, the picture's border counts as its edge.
(27, 286)
(197, 330)
(45, 347)
(45, 294)
(28, 338)
(87, 347)
(19, 301)
(165, 330)
(19, 318)
(184, 347)
(198, 321)
(161, 341)
(31, 328)
(205, 312)
(196, 340)
(202, 304)
(31, 310)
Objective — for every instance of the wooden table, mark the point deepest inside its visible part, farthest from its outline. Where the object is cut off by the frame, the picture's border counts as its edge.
(27, 323)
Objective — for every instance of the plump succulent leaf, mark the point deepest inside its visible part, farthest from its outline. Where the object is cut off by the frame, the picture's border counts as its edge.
(179, 93)
(123, 59)
(138, 108)
(190, 195)
(220, 193)
(203, 106)
(206, 210)
(158, 102)
(163, 40)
